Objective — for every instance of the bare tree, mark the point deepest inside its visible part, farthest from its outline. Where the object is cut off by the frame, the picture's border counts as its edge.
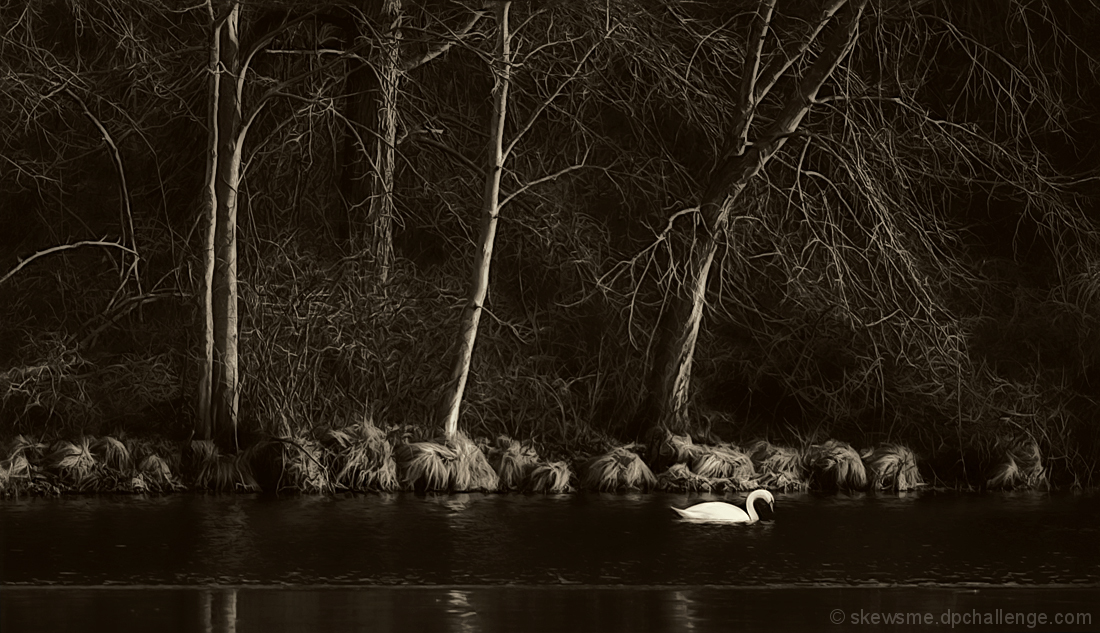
(218, 395)
(669, 381)
(490, 211)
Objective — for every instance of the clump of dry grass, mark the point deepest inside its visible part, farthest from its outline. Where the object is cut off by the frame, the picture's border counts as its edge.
(157, 466)
(111, 453)
(13, 470)
(362, 458)
(551, 477)
(303, 466)
(724, 461)
(88, 464)
(617, 469)
(679, 478)
(1020, 467)
(155, 475)
(424, 466)
(893, 467)
(513, 463)
(458, 465)
(472, 471)
(72, 462)
(19, 472)
(213, 471)
(835, 465)
(778, 467)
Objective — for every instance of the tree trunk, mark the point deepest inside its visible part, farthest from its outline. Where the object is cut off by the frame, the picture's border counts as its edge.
(367, 178)
(218, 394)
(479, 286)
(389, 80)
(670, 376)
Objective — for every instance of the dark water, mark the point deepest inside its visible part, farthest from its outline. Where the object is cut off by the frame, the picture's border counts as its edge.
(578, 562)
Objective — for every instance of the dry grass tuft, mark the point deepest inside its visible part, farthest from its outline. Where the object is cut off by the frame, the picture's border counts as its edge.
(513, 463)
(158, 465)
(472, 471)
(156, 475)
(893, 467)
(1020, 467)
(551, 477)
(835, 465)
(679, 478)
(214, 471)
(618, 469)
(457, 466)
(111, 453)
(724, 461)
(19, 472)
(72, 463)
(303, 468)
(424, 466)
(362, 458)
(778, 467)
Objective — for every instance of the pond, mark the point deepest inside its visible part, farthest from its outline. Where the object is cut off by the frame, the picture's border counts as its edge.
(600, 562)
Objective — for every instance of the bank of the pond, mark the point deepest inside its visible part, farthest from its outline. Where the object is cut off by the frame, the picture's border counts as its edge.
(364, 458)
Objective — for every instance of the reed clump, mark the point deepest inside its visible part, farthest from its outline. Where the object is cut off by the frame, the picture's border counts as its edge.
(1020, 466)
(362, 458)
(724, 461)
(520, 468)
(778, 467)
(454, 465)
(513, 463)
(680, 478)
(893, 467)
(551, 478)
(835, 465)
(20, 472)
(618, 469)
(209, 469)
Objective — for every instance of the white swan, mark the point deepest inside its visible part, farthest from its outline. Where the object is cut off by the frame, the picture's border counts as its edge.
(728, 513)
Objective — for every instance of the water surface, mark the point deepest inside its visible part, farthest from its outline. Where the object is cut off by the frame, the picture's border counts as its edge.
(498, 562)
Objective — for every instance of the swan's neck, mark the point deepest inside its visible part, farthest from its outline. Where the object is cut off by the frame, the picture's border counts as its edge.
(750, 507)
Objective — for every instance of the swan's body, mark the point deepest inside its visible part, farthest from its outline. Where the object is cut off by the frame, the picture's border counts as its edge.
(728, 513)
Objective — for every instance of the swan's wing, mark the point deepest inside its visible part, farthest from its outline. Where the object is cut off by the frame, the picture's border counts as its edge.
(714, 511)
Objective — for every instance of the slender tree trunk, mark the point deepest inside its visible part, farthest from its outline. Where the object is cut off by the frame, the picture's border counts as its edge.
(367, 177)
(479, 286)
(389, 81)
(218, 388)
(670, 376)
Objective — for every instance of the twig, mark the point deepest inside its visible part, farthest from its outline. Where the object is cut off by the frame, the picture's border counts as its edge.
(64, 247)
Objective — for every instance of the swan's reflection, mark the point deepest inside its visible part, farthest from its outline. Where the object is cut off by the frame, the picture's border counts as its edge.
(462, 616)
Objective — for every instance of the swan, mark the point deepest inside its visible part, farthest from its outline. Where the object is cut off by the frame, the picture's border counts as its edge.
(728, 513)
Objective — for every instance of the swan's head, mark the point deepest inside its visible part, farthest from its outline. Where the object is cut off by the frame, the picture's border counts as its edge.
(763, 503)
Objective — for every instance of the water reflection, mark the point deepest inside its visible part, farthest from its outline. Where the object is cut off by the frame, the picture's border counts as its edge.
(584, 539)
(605, 609)
(218, 610)
(462, 617)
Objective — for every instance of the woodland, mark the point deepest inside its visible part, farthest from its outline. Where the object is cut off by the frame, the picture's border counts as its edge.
(430, 244)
